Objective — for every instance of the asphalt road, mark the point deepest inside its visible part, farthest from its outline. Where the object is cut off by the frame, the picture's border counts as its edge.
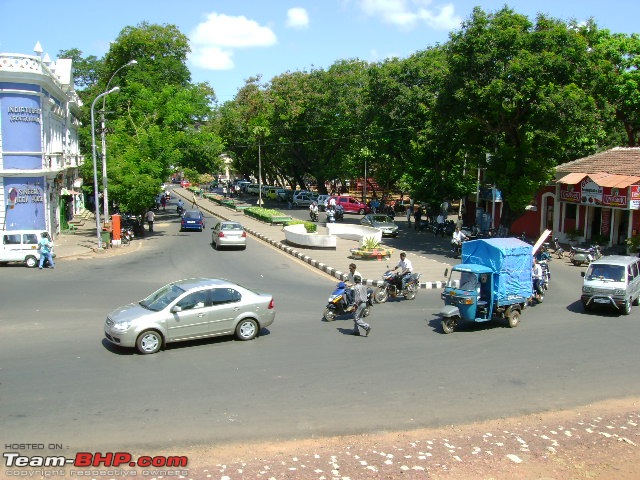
(61, 383)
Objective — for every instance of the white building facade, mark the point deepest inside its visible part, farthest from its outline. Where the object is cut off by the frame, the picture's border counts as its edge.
(40, 188)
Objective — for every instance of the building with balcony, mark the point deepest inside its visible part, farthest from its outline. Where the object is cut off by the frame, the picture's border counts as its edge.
(39, 148)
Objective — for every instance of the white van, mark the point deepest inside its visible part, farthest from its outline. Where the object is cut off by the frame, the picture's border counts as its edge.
(612, 281)
(20, 246)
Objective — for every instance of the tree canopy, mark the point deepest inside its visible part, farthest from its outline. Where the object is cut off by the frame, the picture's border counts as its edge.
(506, 94)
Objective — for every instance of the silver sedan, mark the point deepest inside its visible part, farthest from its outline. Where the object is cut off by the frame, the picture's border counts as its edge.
(228, 234)
(381, 222)
(187, 310)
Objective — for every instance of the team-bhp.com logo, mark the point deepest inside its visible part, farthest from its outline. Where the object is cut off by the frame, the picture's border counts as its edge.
(87, 459)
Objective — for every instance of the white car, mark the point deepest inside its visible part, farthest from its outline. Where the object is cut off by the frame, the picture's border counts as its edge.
(322, 202)
(302, 200)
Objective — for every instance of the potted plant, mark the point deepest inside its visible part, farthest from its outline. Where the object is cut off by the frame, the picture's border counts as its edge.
(573, 235)
(371, 248)
(633, 244)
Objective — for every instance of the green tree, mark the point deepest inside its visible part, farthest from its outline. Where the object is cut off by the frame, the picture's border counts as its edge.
(513, 89)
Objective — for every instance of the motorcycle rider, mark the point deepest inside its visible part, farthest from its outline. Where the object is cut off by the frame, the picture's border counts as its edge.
(457, 238)
(350, 281)
(360, 292)
(537, 279)
(406, 268)
(313, 211)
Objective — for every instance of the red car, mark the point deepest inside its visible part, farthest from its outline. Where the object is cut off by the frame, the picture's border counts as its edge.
(350, 204)
(185, 183)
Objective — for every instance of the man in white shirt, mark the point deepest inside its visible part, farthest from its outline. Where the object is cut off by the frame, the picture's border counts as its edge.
(406, 268)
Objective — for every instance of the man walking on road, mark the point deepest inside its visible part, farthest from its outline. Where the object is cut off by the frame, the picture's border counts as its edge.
(150, 216)
(360, 294)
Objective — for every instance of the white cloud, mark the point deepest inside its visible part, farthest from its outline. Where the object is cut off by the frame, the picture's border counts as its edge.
(407, 13)
(297, 18)
(213, 41)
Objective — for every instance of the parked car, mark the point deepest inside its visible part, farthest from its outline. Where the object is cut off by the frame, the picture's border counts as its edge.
(350, 204)
(192, 220)
(381, 222)
(185, 183)
(302, 200)
(187, 310)
(228, 234)
(253, 188)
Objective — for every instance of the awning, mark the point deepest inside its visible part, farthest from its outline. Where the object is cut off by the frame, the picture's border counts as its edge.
(572, 178)
(600, 178)
(66, 191)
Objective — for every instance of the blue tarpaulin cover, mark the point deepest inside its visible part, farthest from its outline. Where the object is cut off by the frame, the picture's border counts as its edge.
(510, 258)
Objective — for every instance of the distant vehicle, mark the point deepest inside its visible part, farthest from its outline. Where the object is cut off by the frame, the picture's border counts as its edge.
(381, 222)
(253, 188)
(302, 200)
(228, 234)
(185, 183)
(350, 204)
(192, 220)
(322, 202)
(190, 309)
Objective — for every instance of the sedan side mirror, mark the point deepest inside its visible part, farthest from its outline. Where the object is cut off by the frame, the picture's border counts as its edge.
(176, 309)
(446, 272)
(582, 274)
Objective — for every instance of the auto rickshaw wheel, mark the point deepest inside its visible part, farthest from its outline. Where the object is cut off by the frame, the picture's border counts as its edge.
(513, 315)
(448, 324)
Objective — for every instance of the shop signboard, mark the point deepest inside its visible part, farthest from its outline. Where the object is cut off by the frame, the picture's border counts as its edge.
(634, 204)
(568, 193)
(24, 203)
(591, 192)
(615, 198)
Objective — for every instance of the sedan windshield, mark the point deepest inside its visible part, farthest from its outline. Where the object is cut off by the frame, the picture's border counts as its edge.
(159, 299)
(381, 219)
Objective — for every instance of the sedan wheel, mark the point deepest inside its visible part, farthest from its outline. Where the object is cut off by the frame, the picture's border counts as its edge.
(149, 342)
(247, 329)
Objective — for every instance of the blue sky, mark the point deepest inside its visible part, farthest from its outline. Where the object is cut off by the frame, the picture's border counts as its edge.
(235, 40)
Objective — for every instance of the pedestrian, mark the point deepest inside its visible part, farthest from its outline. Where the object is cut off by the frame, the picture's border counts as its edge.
(194, 200)
(409, 212)
(417, 216)
(150, 216)
(459, 222)
(360, 298)
(163, 201)
(45, 246)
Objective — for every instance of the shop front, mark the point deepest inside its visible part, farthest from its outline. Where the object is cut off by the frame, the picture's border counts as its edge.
(597, 207)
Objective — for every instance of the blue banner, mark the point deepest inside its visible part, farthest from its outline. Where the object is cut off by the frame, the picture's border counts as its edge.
(24, 203)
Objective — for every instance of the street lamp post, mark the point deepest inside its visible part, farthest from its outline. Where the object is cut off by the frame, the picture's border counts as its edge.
(95, 169)
(105, 194)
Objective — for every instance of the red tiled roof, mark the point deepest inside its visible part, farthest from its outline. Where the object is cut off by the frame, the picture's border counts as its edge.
(617, 161)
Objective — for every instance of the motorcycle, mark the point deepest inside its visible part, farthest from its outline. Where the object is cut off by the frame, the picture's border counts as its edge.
(456, 248)
(339, 304)
(580, 256)
(126, 234)
(538, 289)
(558, 250)
(339, 213)
(179, 210)
(313, 215)
(392, 286)
(331, 215)
(546, 274)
